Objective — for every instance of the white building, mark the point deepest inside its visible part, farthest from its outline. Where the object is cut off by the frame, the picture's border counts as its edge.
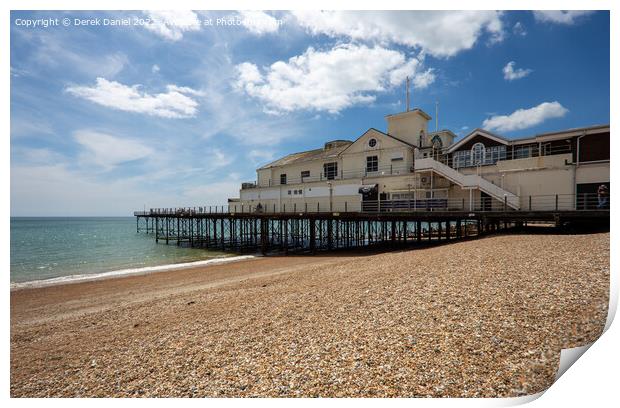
(410, 168)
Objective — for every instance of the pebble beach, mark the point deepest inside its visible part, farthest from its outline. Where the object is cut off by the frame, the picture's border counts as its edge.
(480, 318)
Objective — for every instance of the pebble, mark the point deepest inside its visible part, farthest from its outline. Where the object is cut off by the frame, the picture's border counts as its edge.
(482, 318)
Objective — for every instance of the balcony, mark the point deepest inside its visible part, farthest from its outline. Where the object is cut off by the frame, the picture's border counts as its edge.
(248, 185)
(491, 156)
(381, 171)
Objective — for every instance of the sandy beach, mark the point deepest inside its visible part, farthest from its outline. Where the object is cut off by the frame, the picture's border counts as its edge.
(486, 317)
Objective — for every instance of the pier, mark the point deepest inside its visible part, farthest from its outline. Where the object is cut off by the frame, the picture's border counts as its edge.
(248, 229)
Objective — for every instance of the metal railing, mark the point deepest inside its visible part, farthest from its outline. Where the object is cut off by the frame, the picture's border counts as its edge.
(546, 202)
(490, 157)
(379, 171)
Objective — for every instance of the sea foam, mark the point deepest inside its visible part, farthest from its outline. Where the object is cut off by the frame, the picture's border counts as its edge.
(126, 272)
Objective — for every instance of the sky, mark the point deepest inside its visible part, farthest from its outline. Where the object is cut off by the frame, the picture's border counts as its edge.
(113, 112)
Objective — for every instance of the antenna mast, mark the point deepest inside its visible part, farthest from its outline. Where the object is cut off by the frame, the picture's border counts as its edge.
(407, 87)
(436, 116)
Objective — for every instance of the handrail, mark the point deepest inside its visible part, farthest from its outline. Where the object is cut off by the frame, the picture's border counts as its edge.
(468, 180)
(542, 202)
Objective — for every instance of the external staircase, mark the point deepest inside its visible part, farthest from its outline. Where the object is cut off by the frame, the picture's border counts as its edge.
(468, 181)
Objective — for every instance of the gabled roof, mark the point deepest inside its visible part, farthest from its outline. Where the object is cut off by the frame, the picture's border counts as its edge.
(478, 132)
(382, 134)
(541, 137)
(308, 155)
(322, 154)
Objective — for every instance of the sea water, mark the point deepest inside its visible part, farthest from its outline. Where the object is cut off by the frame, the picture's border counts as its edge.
(74, 248)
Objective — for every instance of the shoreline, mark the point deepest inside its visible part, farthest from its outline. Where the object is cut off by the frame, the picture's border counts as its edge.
(35, 305)
(146, 270)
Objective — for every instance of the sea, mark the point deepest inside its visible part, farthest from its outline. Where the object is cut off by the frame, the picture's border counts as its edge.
(56, 249)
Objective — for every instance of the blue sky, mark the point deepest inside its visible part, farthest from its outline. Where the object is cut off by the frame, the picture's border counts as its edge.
(108, 119)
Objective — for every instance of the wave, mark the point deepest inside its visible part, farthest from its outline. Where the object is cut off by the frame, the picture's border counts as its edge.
(61, 280)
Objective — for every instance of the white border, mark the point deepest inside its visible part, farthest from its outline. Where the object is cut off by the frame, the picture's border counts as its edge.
(593, 379)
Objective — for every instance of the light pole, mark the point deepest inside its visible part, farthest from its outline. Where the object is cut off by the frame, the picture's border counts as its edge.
(409, 196)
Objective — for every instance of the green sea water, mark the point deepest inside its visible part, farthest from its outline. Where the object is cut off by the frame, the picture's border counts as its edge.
(55, 247)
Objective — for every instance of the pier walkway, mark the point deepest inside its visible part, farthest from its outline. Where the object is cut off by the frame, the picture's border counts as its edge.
(246, 229)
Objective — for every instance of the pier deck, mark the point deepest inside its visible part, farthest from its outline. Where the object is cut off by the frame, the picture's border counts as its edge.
(310, 232)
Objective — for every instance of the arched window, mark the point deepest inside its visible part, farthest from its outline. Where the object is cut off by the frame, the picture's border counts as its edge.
(477, 154)
(421, 141)
(436, 142)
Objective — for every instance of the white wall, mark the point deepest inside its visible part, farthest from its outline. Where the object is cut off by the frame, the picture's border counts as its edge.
(592, 173)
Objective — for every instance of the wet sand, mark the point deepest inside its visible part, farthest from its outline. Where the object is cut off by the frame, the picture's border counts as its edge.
(480, 318)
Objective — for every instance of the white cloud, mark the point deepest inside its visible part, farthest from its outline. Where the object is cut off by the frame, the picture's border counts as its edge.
(439, 33)
(217, 158)
(330, 80)
(108, 151)
(424, 79)
(171, 24)
(519, 29)
(155, 69)
(510, 73)
(184, 90)
(411, 67)
(560, 16)
(16, 72)
(172, 104)
(261, 155)
(248, 73)
(57, 50)
(216, 193)
(525, 118)
(35, 155)
(55, 54)
(30, 126)
(259, 22)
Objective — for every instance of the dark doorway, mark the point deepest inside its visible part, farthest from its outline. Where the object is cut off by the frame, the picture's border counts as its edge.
(370, 194)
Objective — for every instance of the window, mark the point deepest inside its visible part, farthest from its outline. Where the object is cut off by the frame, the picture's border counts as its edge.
(282, 178)
(304, 174)
(477, 154)
(523, 152)
(289, 192)
(495, 153)
(436, 142)
(330, 170)
(372, 142)
(372, 164)
(462, 158)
